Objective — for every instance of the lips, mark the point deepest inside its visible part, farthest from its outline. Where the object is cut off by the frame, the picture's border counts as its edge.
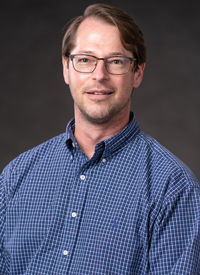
(99, 92)
(96, 93)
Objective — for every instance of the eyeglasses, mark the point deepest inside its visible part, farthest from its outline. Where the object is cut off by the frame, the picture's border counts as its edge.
(84, 63)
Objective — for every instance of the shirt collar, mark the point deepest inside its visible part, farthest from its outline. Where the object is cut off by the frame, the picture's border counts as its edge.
(112, 144)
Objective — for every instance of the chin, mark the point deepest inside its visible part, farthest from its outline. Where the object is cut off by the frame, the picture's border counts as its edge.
(98, 118)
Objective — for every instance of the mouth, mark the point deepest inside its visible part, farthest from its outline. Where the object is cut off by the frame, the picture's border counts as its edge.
(97, 93)
(104, 92)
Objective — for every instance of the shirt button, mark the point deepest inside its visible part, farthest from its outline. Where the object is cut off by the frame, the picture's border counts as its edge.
(82, 177)
(74, 214)
(104, 160)
(65, 252)
(73, 144)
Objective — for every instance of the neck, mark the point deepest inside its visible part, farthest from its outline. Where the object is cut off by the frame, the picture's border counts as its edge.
(88, 134)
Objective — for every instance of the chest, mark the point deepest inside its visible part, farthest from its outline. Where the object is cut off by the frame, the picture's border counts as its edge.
(83, 219)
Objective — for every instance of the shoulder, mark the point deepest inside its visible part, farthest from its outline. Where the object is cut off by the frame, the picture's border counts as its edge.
(160, 168)
(40, 155)
(158, 153)
(40, 150)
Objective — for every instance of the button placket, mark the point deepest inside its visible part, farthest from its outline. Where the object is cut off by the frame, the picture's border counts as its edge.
(76, 203)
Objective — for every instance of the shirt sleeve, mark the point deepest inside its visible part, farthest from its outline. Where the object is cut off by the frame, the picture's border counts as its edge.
(175, 243)
(2, 222)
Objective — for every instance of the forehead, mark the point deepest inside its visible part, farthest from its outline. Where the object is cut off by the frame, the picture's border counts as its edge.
(94, 27)
(98, 37)
(94, 22)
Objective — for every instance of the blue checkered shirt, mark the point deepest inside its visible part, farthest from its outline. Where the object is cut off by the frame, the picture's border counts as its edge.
(133, 208)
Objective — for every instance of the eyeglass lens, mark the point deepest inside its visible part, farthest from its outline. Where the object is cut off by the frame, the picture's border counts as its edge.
(114, 65)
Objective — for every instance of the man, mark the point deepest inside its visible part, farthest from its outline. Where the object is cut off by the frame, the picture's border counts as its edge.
(103, 198)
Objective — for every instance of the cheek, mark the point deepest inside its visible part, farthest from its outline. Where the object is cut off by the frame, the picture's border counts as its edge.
(126, 84)
(76, 79)
(76, 84)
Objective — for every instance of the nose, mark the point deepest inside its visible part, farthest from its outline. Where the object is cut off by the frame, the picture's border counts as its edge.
(100, 73)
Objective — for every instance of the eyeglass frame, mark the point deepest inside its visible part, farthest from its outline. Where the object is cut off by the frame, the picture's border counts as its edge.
(131, 59)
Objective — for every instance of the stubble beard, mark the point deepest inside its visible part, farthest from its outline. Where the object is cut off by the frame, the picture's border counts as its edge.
(99, 114)
(102, 114)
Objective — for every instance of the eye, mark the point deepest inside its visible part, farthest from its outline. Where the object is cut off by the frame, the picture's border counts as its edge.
(115, 61)
(83, 60)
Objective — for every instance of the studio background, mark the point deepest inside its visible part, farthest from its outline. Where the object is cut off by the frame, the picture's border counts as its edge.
(36, 105)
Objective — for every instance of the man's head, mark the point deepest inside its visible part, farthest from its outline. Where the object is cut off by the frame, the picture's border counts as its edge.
(100, 64)
(130, 34)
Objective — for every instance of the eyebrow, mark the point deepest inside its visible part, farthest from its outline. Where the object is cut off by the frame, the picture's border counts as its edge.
(110, 54)
(117, 53)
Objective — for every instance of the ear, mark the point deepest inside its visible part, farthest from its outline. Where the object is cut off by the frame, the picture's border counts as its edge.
(138, 76)
(65, 69)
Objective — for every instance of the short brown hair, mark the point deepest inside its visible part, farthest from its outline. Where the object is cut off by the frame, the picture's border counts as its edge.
(131, 35)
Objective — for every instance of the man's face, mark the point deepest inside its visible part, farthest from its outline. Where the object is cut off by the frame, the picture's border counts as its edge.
(100, 96)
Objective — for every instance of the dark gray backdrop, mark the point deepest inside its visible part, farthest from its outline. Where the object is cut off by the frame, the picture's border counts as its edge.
(36, 105)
